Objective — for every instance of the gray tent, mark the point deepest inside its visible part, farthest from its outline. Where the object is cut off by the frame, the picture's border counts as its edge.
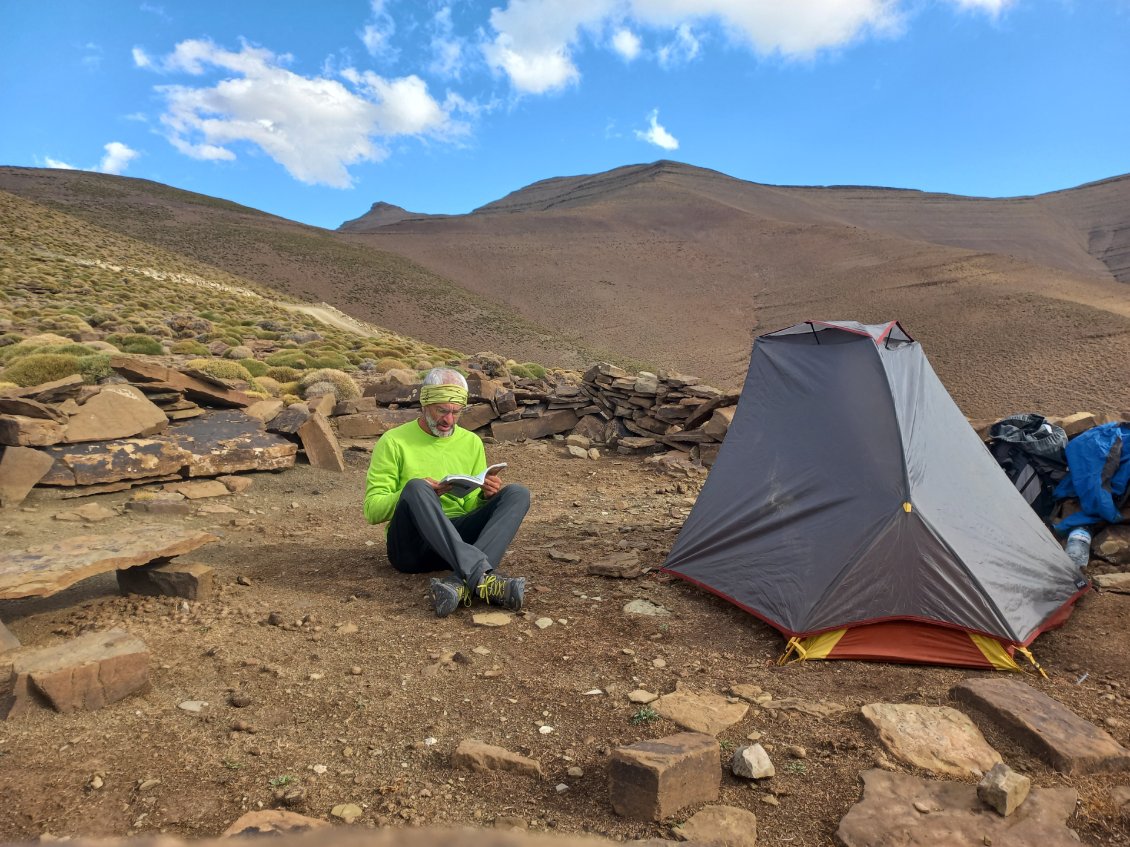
(853, 508)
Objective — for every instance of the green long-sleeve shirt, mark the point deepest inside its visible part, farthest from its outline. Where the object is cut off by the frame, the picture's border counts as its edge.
(408, 452)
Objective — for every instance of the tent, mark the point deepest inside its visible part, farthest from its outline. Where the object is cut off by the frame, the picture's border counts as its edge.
(853, 508)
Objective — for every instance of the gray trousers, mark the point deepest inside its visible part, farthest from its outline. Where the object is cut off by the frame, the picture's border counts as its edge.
(421, 538)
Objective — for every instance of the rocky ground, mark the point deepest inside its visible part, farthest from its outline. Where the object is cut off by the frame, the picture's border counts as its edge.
(358, 694)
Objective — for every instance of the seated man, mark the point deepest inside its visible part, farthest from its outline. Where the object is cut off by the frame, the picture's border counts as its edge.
(429, 528)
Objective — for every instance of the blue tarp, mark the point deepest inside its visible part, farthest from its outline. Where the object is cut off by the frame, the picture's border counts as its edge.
(1088, 456)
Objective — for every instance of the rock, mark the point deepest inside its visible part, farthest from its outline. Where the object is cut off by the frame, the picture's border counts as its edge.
(320, 444)
(1044, 726)
(723, 826)
(651, 780)
(659, 662)
(117, 411)
(193, 706)
(575, 772)
(322, 405)
(477, 756)
(236, 484)
(347, 628)
(1119, 583)
(21, 431)
(89, 513)
(178, 578)
(719, 423)
(490, 619)
(240, 699)
(199, 489)
(1075, 424)
(43, 570)
(377, 422)
(348, 812)
(272, 822)
(624, 565)
(195, 388)
(752, 762)
(543, 623)
(28, 408)
(216, 509)
(935, 738)
(8, 641)
(265, 410)
(817, 709)
(575, 439)
(550, 423)
(20, 469)
(167, 503)
(749, 693)
(887, 816)
(700, 712)
(577, 452)
(642, 697)
(1113, 545)
(228, 441)
(289, 420)
(1004, 789)
(645, 607)
(113, 461)
(84, 673)
(559, 556)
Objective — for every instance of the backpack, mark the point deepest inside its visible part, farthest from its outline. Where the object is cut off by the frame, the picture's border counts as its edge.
(1031, 453)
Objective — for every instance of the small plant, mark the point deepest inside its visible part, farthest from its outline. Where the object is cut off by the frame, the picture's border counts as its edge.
(644, 714)
(137, 344)
(280, 781)
(795, 766)
(726, 746)
(232, 765)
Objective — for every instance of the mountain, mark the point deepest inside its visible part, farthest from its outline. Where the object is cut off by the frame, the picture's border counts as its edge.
(1017, 301)
(381, 214)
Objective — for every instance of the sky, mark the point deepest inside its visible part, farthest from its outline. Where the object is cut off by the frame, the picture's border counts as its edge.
(314, 111)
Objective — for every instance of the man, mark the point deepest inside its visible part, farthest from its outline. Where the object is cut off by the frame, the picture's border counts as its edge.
(429, 528)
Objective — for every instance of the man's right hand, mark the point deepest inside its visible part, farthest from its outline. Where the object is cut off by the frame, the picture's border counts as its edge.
(438, 487)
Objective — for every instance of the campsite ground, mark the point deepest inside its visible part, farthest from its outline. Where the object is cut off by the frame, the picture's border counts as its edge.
(385, 735)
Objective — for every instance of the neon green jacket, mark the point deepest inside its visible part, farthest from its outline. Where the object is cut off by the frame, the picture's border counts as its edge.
(407, 452)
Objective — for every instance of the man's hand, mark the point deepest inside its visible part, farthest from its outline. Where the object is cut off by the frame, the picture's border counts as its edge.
(439, 488)
(492, 484)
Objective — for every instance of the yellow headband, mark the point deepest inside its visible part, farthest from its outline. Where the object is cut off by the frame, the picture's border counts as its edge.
(432, 394)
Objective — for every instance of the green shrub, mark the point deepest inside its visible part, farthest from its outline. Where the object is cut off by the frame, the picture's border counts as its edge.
(389, 364)
(94, 367)
(189, 347)
(528, 370)
(330, 361)
(344, 387)
(283, 374)
(289, 389)
(137, 344)
(240, 351)
(41, 367)
(271, 386)
(255, 367)
(289, 359)
(221, 369)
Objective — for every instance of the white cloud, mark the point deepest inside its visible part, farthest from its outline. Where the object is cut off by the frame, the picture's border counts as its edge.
(56, 163)
(626, 43)
(992, 7)
(448, 50)
(377, 34)
(534, 40)
(141, 58)
(117, 158)
(315, 127)
(656, 134)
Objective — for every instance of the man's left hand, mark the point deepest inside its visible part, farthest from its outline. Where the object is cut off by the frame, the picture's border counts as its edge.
(491, 486)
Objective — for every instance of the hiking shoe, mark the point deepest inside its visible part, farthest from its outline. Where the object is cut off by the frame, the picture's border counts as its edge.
(447, 593)
(505, 591)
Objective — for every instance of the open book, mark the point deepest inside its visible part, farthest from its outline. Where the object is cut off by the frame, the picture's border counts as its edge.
(464, 484)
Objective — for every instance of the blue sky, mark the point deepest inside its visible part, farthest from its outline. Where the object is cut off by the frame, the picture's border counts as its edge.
(315, 111)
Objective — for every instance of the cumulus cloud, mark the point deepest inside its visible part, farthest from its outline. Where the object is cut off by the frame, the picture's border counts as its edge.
(534, 40)
(117, 158)
(626, 43)
(314, 126)
(657, 134)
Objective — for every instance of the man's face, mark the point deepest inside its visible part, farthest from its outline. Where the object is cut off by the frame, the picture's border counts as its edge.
(441, 418)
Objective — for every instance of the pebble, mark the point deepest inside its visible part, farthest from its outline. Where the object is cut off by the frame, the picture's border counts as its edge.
(769, 800)
(562, 788)
(576, 772)
(924, 808)
(755, 736)
(641, 696)
(659, 662)
(796, 751)
(481, 651)
(194, 706)
(96, 782)
(545, 730)
(348, 812)
(243, 580)
(148, 784)
(240, 699)
(355, 670)
(543, 623)
(319, 769)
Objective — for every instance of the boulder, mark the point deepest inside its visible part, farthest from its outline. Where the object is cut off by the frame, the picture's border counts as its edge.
(320, 444)
(21, 468)
(289, 420)
(911, 812)
(700, 712)
(48, 568)
(935, 738)
(721, 826)
(265, 410)
(651, 780)
(477, 416)
(85, 673)
(117, 411)
(22, 431)
(1044, 726)
(228, 441)
(477, 756)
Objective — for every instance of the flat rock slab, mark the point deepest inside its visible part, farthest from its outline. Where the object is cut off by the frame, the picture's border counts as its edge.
(85, 673)
(1045, 726)
(49, 568)
(21, 468)
(113, 461)
(725, 826)
(320, 444)
(8, 640)
(699, 712)
(190, 580)
(889, 815)
(813, 708)
(490, 619)
(199, 489)
(935, 738)
(193, 387)
(271, 823)
(1119, 583)
(117, 411)
(228, 441)
(377, 422)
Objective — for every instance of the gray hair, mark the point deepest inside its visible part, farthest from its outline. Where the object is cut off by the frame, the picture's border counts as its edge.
(445, 376)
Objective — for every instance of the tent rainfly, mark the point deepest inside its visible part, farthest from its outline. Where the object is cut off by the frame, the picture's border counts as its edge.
(853, 508)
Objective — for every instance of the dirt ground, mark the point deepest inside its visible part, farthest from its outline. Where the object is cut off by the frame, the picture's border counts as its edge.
(382, 737)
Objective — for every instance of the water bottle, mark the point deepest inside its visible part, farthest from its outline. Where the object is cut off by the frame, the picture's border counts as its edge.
(1079, 547)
